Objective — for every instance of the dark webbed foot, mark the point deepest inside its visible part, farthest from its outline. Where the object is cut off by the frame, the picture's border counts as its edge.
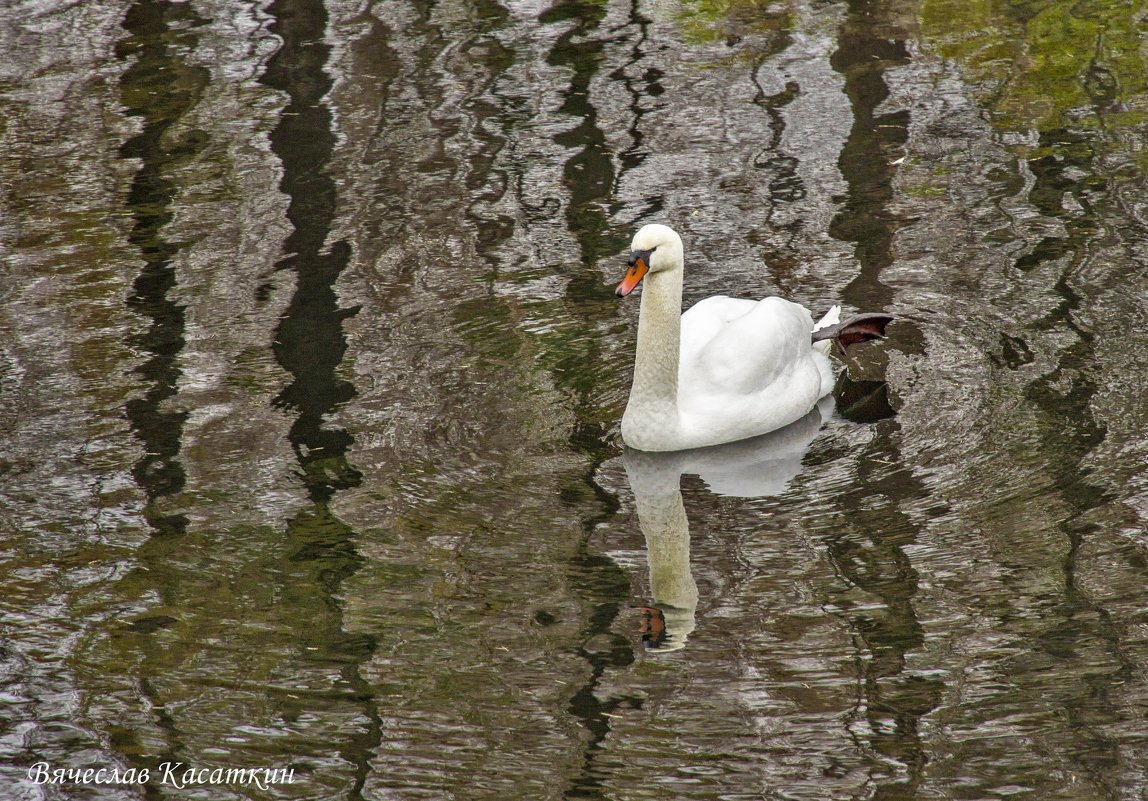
(859, 328)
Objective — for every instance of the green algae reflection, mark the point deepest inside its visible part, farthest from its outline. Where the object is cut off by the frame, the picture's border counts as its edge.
(729, 21)
(1041, 67)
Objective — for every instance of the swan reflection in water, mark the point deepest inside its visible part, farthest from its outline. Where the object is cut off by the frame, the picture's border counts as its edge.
(752, 468)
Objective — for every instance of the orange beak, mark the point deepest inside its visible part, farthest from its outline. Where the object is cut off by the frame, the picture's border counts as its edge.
(638, 269)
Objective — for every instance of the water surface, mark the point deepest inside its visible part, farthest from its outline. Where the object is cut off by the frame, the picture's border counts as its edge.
(311, 373)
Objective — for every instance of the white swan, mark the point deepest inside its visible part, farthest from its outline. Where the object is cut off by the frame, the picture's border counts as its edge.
(728, 368)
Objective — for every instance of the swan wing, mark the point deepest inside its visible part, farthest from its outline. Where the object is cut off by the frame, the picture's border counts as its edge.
(706, 319)
(737, 347)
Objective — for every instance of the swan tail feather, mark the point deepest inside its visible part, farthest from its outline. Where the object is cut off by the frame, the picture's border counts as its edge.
(858, 328)
(832, 317)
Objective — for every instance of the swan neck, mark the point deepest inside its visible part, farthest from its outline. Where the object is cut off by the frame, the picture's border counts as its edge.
(662, 517)
(659, 340)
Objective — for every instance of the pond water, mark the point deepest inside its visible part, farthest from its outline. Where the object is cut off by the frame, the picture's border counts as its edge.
(311, 373)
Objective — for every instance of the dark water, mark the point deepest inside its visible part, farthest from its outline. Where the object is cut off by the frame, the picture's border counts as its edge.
(311, 374)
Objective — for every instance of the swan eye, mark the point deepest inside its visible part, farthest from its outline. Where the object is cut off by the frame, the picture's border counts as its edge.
(644, 255)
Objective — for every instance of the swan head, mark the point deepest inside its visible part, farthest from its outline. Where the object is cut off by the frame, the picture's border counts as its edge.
(655, 248)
